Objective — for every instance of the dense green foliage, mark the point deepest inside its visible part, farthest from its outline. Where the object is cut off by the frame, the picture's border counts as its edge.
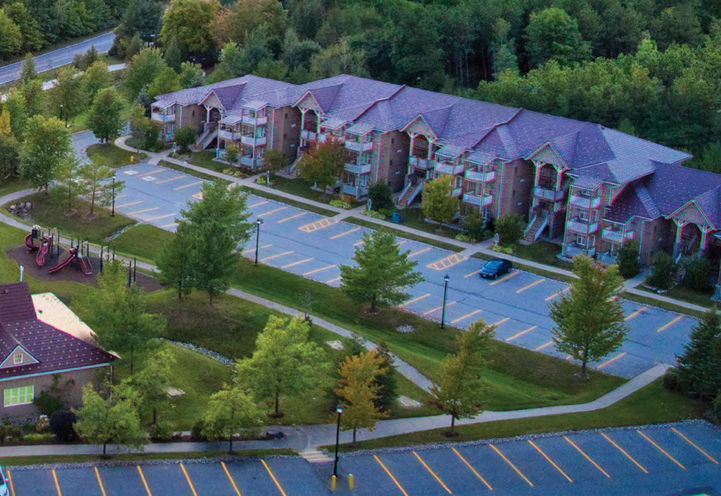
(628, 261)
(699, 367)
(664, 271)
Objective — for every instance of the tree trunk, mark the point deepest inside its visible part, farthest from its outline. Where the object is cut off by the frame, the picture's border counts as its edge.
(354, 433)
(453, 424)
(230, 443)
(155, 416)
(105, 445)
(180, 290)
(92, 203)
(584, 361)
(277, 398)
(373, 303)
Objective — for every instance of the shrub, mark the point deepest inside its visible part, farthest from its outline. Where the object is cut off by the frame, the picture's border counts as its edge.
(374, 214)
(380, 196)
(339, 204)
(474, 226)
(47, 403)
(716, 404)
(196, 432)
(38, 437)
(509, 229)
(628, 261)
(463, 237)
(161, 431)
(184, 137)
(698, 273)
(10, 433)
(664, 271)
(62, 425)
(671, 380)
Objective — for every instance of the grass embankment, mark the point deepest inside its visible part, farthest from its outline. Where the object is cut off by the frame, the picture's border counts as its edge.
(12, 185)
(652, 404)
(415, 237)
(112, 156)
(199, 175)
(143, 240)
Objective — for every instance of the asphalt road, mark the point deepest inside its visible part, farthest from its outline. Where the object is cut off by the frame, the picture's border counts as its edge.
(59, 57)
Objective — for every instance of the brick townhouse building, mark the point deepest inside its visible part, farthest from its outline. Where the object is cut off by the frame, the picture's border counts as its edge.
(587, 186)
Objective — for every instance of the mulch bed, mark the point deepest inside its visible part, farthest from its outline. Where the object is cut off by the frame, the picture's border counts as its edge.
(71, 273)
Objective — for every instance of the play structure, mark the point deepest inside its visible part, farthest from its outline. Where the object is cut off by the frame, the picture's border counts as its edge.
(49, 248)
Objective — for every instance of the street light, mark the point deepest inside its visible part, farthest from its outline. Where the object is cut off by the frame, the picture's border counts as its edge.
(112, 208)
(257, 238)
(339, 411)
(445, 294)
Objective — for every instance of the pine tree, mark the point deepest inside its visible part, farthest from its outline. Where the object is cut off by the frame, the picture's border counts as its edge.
(699, 367)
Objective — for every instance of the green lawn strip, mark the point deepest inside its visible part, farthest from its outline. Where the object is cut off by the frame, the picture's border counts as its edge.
(191, 172)
(287, 201)
(50, 211)
(205, 159)
(143, 240)
(12, 185)
(413, 217)
(647, 300)
(415, 237)
(684, 293)
(542, 252)
(651, 405)
(15, 461)
(112, 156)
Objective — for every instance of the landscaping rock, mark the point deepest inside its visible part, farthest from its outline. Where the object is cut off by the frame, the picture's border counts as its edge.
(405, 329)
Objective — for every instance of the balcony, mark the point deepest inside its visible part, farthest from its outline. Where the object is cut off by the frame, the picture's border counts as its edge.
(164, 118)
(573, 250)
(586, 202)
(582, 227)
(450, 169)
(358, 192)
(309, 135)
(419, 163)
(253, 141)
(480, 177)
(548, 194)
(456, 192)
(354, 168)
(479, 201)
(616, 235)
(247, 161)
(359, 147)
(228, 135)
(255, 121)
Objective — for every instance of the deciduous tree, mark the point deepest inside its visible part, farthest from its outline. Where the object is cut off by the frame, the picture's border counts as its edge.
(230, 411)
(437, 202)
(45, 149)
(152, 384)
(175, 261)
(95, 78)
(323, 164)
(552, 34)
(96, 180)
(189, 23)
(141, 71)
(67, 98)
(105, 118)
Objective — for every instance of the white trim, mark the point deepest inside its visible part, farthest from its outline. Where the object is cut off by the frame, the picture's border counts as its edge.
(9, 361)
(50, 372)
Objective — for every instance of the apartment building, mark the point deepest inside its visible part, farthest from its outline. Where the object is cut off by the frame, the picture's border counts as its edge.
(581, 184)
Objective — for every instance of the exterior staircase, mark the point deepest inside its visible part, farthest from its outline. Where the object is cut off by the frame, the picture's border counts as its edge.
(410, 192)
(206, 138)
(315, 456)
(535, 228)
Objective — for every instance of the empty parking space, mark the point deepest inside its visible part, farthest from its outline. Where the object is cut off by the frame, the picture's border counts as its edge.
(78, 481)
(166, 480)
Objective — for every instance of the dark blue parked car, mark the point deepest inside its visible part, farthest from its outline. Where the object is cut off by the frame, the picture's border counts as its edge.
(495, 268)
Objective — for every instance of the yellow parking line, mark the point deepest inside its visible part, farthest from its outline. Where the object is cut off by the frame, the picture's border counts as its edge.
(583, 453)
(463, 317)
(523, 332)
(169, 225)
(292, 217)
(271, 212)
(655, 445)
(611, 360)
(505, 278)
(272, 476)
(187, 477)
(293, 264)
(534, 283)
(159, 217)
(314, 271)
(262, 247)
(237, 491)
(331, 281)
(57, 486)
(176, 178)
(502, 321)
(672, 322)
(395, 481)
(548, 459)
(145, 483)
(511, 465)
(150, 173)
(100, 481)
(471, 274)
(470, 467)
(414, 300)
(188, 185)
(262, 202)
(430, 471)
(694, 445)
(636, 313)
(624, 452)
(277, 255)
(422, 250)
(10, 482)
(350, 231)
(137, 212)
(559, 293)
(449, 304)
(130, 204)
(544, 345)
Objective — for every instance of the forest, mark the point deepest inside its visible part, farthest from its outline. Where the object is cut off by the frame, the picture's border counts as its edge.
(647, 67)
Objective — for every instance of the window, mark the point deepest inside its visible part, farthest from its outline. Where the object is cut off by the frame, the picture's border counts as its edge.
(22, 395)
(18, 358)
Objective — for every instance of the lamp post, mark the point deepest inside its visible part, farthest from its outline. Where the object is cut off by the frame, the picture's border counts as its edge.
(257, 238)
(445, 294)
(339, 411)
(112, 208)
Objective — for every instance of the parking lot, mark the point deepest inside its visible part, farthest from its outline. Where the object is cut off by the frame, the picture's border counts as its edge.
(658, 460)
(314, 246)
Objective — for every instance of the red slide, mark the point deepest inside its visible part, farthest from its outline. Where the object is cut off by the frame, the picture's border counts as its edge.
(42, 253)
(85, 266)
(72, 255)
(30, 243)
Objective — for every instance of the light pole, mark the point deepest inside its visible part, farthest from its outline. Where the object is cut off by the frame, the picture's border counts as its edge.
(339, 411)
(445, 294)
(112, 208)
(257, 238)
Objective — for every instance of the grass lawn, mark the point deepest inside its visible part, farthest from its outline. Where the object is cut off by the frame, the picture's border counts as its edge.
(647, 300)
(201, 175)
(205, 159)
(112, 156)
(541, 252)
(413, 217)
(689, 295)
(142, 240)
(651, 405)
(12, 185)
(49, 211)
(372, 225)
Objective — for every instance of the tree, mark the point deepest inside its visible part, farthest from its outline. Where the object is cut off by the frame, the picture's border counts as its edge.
(285, 362)
(84, 60)
(67, 181)
(474, 225)
(62, 425)
(66, 97)
(628, 260)
(176, 259)
(105, 118)
(189, 22)
(663, 272)
(699, 366)
(15, 105)
(382, 272)
(217, 225)
(460, 389)
(46, 148)
(174, 55)
(142, 17)
(152, 383)
(28, 73)
(698, 274)
(96, 179)
(245, 16)
(359, 391)
(141, 71)
(380, 196)
(35, 99)
(437, 202)
(340, 58)
(32, 37)
(231, 154)
(589, 319)
(95, 78)
(229, 411)
(323, 164)
(184, 137)
(191, 75)
(10, 36)
(509, 229)
(387, 382)
(9, 156)
(112, 419)
(274, 160)
(552, 34)
(117, 314)
(167, 81)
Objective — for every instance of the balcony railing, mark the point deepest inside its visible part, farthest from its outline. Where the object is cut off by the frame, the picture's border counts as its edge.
(450, 169)
(616, 235)
(549, 194)
(480, 201)
(573, 250)
(359, 146)
(357, 191)
(354, 168)
(227, 134)
(253, 141)
(255, 121)
(158, 117)
(309, 135)
(480, 177)
(456, 192)
(419, 163)
(582, 227)
(582, 201)
(248, 161)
